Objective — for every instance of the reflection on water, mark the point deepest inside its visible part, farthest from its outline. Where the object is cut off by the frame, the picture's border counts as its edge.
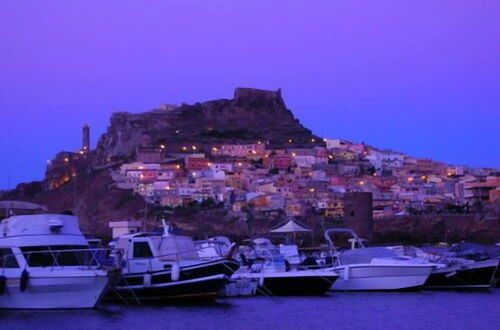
(420, 310)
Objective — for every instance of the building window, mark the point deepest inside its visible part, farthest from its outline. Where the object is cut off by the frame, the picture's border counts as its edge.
(352, 213)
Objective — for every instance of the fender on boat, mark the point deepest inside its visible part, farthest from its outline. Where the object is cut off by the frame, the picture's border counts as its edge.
(3, 283)
(24, 280)
(175, 272)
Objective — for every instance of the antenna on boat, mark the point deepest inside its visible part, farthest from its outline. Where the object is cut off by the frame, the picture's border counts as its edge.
(166, 227)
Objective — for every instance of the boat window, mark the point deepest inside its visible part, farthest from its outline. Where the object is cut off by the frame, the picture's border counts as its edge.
(7, 259)
(142, 250)
(58, 255)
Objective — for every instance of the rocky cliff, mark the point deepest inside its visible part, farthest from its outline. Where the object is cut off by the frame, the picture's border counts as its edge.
(251, 115)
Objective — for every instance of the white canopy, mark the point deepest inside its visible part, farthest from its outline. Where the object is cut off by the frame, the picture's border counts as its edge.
(21, 205)
(290, 227)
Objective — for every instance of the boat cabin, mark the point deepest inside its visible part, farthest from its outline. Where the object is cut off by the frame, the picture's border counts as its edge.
(149, 252)
(44, 240)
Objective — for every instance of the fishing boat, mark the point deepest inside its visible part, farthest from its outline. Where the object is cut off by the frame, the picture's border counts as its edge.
(374, 268)
(158, 267)
(46, 263)
(262, 261)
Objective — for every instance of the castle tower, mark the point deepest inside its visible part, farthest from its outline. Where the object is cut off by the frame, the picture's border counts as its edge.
(358, 213)
(86, 137)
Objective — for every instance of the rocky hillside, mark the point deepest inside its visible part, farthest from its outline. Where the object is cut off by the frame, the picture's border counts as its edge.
(251, 115)
(93, 198)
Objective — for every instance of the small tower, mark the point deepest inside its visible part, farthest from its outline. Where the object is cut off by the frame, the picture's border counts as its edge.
(85, 138)
(358, 213)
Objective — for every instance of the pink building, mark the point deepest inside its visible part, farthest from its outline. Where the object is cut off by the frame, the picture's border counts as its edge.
(280, 161)
(238, 150)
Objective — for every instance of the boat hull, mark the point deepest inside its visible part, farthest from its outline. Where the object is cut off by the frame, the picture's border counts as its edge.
(368, 277)
(496, 284)
(58, 291)
(239, 288)
(205, 288)
(476, 276)
(293, 283)
(222, 266)
(196, 281)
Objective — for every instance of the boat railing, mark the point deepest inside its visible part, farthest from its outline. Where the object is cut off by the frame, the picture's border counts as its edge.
(83, 259)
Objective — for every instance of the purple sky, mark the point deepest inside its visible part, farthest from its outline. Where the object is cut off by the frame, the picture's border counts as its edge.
(422, 77)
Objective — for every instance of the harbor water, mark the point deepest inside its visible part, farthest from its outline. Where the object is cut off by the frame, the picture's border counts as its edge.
(399, 310)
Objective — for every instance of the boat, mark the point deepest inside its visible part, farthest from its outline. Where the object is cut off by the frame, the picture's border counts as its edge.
(464, 266)
(262, 262)
(158, 267)
(474, 275)
(374, 268)
(218, 247)
(46, 263)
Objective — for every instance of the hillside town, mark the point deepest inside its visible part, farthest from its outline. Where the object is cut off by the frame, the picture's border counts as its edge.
(243, 165)
(292, 180)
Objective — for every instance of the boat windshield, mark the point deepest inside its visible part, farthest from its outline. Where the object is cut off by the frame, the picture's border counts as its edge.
(366, 255)
(7, 259)
(59, 255)
(173, 248)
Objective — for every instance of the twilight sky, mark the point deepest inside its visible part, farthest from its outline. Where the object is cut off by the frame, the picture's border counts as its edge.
(422, 77)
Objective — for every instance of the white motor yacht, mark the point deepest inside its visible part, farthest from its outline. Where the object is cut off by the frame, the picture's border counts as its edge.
(262, 261)
(452, 271)
(375, 268)
(46, 263)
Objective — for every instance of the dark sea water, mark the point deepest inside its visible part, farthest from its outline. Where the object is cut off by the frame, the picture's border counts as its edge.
(419, 310)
